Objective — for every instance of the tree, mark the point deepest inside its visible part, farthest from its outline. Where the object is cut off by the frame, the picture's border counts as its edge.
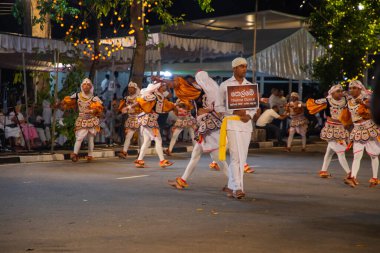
(349, 30)
(121, 15)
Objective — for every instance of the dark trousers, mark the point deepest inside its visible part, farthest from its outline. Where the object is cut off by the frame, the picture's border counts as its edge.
(272, 130)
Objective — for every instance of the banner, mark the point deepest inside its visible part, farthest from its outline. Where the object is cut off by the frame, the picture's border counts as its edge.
(243, 97)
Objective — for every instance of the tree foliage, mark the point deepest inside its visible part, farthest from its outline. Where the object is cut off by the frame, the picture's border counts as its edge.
(349, 30)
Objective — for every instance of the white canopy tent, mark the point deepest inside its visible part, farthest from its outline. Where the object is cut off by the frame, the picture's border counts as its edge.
(289, 58)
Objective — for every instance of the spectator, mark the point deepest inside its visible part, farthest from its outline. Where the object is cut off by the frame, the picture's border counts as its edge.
(265, 122)
(104, 86)
(47, 118)
(13, 129)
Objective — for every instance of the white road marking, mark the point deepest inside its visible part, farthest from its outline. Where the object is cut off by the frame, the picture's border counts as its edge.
(133, 177)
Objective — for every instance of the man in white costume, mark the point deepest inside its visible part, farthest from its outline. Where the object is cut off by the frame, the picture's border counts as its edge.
(334, 131)
(127, 106)
(365, 135)
(238, 131)
(87, 123)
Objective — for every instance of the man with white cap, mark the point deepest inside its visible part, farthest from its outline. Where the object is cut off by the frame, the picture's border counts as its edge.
(87, 123)
(238, 131)
(128, 106)
(365, 135)
(152, 103)
(334, 131)
(298, 121)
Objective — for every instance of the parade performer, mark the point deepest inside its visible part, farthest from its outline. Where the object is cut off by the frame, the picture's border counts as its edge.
(87, 123)
(298, 121)
(204, 94)
(334, 132)
(184, 120)
(239, 129)
(365, 134)
(152, 103)
(128, 106)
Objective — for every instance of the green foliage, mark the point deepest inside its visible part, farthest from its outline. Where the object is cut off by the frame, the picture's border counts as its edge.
(68, 127)
(18, 11)
(349, 31)
(73, 80)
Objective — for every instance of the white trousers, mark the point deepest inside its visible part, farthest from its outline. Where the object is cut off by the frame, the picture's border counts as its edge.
(41, 134)
(238, 143)
(47, 133)
(128, 138)
(79, 137)
(373, 149)
(176, 133)
(332, 148)
(196, 156)
(292, 131)
(148, 136)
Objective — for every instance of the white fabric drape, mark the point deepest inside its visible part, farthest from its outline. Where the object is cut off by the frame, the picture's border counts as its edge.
(289, 58)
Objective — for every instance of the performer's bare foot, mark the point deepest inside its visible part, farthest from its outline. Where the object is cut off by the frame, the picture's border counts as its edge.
(373, 182)
(165, 163)
(248, 169)
(168, 152)
(238, 194)
(324, 174)
(303, 150)
(214, 166)
(74, 157)
(123, 155)
(228, 191)
(178, 183)
(288, 149)
(90, 158)
(139, 163)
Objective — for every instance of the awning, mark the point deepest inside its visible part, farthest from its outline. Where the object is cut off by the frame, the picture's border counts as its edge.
(289, 58)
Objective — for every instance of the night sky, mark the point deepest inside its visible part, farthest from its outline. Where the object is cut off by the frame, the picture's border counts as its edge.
(192, 11)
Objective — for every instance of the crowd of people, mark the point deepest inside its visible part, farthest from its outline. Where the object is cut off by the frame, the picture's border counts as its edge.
(199, 106)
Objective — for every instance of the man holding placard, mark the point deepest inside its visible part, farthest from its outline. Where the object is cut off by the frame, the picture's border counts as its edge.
(239, 101)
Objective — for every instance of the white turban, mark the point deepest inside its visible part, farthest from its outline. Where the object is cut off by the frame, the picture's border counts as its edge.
(134, 85)
(152, 87)
(87, 80)
(333, 89)
(294, 94)
(208, 85)
(358, 84)
(239, 61)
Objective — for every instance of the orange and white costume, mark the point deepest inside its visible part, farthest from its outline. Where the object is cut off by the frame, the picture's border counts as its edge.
(366, 134)
(333, 132)
(87, 123)
(131, 125)
(298, 121)
(184, 120)
(152, 103)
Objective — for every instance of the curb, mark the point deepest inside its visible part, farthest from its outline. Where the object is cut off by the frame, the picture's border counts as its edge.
(113, 153)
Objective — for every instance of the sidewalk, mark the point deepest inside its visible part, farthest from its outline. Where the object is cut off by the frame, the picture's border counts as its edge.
(107, 152)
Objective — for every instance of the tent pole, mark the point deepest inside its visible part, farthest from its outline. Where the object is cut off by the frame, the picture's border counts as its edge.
(26, 102)
(56, 60)
(254, 44)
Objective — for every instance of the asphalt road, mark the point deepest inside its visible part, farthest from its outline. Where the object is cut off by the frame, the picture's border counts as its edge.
(110, 206)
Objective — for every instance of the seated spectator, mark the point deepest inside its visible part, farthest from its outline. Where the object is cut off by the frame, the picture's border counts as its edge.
(30, 132)
(2, 127)
(37, 120)
(265, 122)
(12, 128)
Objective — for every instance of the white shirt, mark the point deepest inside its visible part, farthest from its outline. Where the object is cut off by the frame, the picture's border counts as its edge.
(46, 112)
(104, 84)
(267, 117)
(220, 106)
(275, 100)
